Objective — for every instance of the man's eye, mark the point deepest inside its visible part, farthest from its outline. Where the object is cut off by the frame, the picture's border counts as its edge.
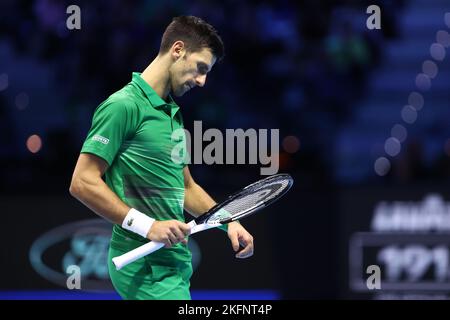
(202, 69)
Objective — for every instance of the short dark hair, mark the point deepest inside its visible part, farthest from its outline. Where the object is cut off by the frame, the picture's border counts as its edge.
(196, 35)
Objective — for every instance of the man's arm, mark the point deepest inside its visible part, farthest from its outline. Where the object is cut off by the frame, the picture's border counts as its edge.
(197, 201)
(88, 186)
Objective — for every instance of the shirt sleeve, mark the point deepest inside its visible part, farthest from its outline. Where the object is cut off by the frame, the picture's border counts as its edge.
(112, 124)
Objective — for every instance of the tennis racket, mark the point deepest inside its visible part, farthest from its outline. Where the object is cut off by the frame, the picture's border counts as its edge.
(241, 204)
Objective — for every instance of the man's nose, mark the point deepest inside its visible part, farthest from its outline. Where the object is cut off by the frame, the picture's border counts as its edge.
(200, 80)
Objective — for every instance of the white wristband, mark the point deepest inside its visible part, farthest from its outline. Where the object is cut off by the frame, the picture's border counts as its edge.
(138, 222)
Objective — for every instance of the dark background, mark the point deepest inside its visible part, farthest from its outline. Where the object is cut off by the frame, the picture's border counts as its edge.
(311, 69)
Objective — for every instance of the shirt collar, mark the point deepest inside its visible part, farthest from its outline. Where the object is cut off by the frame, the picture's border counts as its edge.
(155, 100)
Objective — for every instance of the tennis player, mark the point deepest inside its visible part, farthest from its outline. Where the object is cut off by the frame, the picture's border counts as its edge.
(144, 191)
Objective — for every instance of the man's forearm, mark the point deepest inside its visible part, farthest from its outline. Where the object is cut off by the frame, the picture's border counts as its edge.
(97, 196)
(197, 200)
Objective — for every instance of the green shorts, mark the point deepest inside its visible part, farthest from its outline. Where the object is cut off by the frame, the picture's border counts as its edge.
(153, 277)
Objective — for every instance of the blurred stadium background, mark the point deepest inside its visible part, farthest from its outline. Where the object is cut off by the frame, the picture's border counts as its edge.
(364, 129)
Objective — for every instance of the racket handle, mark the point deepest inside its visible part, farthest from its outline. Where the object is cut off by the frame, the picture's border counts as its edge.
(137, 253)
(131, 256)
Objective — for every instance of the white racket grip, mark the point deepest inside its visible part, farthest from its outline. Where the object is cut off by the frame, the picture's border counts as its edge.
(137, 253)
(141, 251)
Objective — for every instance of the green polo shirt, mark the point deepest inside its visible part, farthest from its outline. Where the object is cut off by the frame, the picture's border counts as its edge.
(132, 131)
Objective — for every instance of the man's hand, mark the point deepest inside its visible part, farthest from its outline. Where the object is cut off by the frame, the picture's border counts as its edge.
(238, 235)
(169, 232)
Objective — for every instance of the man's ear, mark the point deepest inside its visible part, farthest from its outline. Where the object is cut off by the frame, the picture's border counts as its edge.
(178, 49)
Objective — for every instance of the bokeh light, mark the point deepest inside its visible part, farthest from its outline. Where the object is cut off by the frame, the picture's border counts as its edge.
(423, 82)
(382, 166)
(399, 132)
(291, 144)
(34, 143)
(409, 114)
(392, 146)
(443, 37)
(430, 69)
(416, 100)
(437, 51)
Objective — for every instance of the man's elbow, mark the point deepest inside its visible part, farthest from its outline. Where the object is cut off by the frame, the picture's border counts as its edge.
(189, 186)
(76, 187)
(189, 183)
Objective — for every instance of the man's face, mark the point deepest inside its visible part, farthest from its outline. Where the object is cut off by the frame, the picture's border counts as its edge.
(190, 70)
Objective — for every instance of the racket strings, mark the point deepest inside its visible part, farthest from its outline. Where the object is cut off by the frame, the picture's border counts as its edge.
(254, 196)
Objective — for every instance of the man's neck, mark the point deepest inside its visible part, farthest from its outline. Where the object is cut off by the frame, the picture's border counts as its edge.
(157, 76)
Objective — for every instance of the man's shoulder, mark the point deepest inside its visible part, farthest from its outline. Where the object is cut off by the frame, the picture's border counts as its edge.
(122, 97)
(121, 100)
